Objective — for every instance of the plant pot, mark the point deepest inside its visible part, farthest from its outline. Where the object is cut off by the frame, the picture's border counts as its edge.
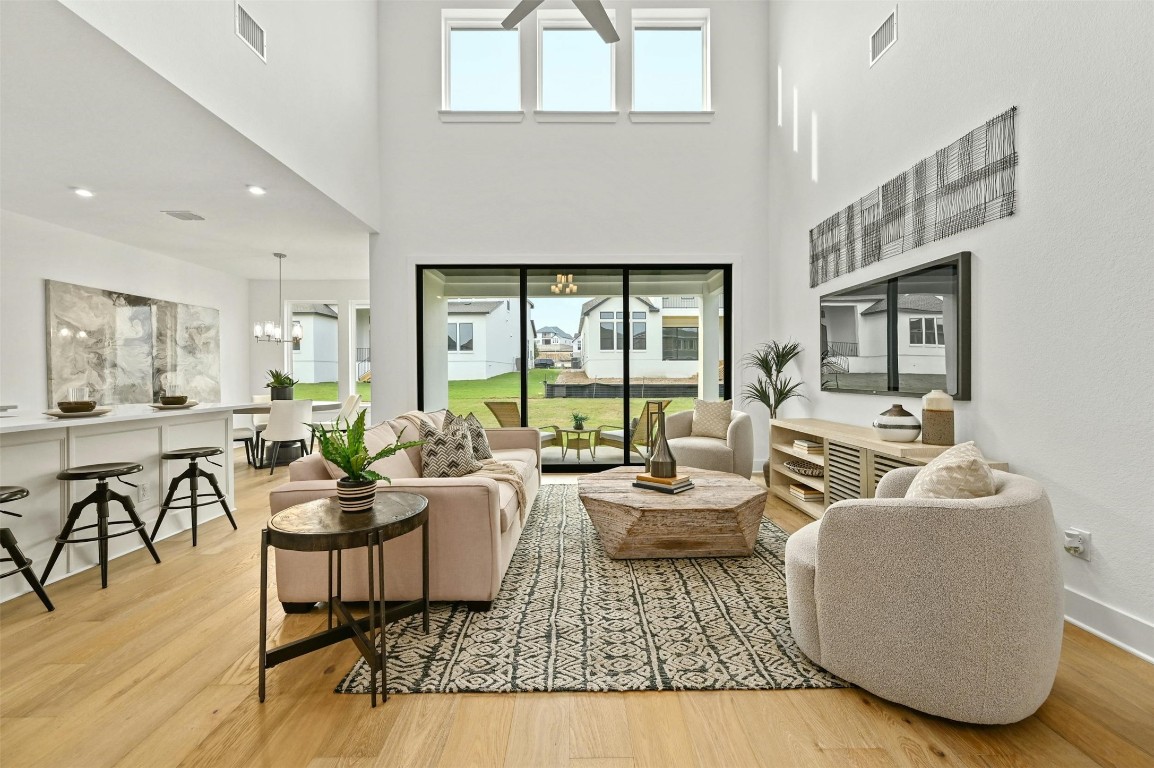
(579, 425)
(356, 495)
(280, 393)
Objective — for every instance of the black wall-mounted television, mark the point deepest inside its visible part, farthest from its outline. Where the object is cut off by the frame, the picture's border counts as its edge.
(902, 334)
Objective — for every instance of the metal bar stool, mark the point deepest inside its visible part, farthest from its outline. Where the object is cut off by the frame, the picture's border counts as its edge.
(100, 497)
(8, 541)
(192, 474)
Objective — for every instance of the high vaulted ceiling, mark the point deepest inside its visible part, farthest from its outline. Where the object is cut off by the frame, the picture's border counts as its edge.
(76, 110)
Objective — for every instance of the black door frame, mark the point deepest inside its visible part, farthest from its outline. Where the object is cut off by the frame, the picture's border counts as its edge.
(626, 400)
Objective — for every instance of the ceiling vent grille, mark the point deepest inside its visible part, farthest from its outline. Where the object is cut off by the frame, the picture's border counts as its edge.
(184, 215)
(252, 33)
(884, 37)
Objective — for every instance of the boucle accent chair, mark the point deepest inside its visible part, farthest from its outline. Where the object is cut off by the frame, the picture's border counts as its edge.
(733, 454)
(949, 606)
(474, 525)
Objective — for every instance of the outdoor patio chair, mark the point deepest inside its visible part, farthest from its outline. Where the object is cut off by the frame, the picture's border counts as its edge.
(641, 430)
(508, 414)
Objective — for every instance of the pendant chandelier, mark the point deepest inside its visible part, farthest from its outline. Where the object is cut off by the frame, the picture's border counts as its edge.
(564, 284)
(270, 330)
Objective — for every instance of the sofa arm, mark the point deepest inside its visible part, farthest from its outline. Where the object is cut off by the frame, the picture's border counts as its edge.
(739, 438)
(678, 424)
(896, 482)
(310, 467)
(515, 437)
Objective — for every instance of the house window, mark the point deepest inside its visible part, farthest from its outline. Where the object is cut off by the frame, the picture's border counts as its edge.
(481, 63)
(671, 61)
(574, 65)
(612, 331)
(546, 340)
(679, 344)
(639, 330)
(460, 337)
(927, 331)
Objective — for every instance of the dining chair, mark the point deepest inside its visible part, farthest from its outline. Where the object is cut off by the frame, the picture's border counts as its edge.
(288, 422)
(244, 431)
(341, 421)
(259, 422)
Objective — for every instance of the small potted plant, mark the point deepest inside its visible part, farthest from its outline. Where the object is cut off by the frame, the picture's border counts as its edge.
(772, 387)
(579, 420)
(357, 489)
(280, 385)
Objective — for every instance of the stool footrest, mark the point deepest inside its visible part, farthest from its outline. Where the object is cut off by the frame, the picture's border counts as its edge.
(71, 540)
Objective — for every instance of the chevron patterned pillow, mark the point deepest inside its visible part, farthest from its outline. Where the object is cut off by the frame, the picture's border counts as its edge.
(481, 449)
(447, 452)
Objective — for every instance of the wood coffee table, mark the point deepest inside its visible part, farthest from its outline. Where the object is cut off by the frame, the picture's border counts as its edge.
(717, 518)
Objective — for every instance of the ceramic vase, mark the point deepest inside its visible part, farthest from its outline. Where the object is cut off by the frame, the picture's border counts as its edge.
(661, 461)
(938, 418)
(897, 425)
(356, 496)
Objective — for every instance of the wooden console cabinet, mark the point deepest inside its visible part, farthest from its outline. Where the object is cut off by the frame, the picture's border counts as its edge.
(854, 460)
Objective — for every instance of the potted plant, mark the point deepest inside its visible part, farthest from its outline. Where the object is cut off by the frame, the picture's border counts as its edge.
(579, 420)
(280, 385)
(346, 449)
(772, 387)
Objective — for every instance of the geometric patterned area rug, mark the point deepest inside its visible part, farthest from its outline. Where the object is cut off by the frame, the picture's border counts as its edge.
(570, 619)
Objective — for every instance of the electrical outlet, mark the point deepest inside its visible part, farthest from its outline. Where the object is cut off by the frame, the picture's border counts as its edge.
(1077, 542)
(144, 491)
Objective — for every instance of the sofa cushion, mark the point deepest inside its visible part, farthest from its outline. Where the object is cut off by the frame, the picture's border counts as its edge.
(526, 456)
(404, 423)
(711, 419)
(481, 449)
(447, 453)
(394, 467)
(959, 473)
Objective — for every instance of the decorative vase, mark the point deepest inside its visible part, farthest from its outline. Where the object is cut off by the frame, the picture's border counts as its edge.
(937, 418)
(897, 425)
(661, 461)
(280, 393)
(356, 495)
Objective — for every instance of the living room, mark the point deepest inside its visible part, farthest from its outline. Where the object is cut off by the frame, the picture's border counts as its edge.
(376, 188)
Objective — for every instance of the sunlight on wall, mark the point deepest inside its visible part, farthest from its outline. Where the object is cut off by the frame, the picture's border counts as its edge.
(813, 145)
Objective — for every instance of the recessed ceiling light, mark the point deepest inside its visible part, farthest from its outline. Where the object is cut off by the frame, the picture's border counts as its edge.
(254, 189)
(83, 192)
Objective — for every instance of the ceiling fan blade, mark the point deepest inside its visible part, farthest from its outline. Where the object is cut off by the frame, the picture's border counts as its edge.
(594, 13)
(523, 9)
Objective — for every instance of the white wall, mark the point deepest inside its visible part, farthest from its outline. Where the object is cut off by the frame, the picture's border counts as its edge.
(32, 251)
(313, 105)
(1062, 308)
(543, 193)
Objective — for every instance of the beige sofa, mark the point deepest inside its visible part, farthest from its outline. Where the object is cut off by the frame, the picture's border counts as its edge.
(949, 606)
(474, 525)
(733, 454)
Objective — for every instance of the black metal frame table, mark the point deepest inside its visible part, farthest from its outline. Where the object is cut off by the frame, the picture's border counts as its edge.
(320, 526)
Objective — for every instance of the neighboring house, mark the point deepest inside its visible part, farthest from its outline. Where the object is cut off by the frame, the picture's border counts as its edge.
(854, 332)
(665, 335)
(315, 355)
(483, 338)
(554, 344)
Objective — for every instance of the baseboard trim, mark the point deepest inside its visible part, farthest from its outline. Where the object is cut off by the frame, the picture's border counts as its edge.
(1130, 633)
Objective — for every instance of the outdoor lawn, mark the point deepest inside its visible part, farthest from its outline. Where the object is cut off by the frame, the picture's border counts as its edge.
(470, 396)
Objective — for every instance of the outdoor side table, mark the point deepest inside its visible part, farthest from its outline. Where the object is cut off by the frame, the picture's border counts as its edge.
(320, 526)
(579, 438)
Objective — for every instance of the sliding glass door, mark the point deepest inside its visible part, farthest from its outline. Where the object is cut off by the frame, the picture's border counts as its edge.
(584, 354)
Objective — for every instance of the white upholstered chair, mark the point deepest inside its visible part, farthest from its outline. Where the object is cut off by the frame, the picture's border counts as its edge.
(288, 422)
(949, 606)
(339, 422)
(733, 454)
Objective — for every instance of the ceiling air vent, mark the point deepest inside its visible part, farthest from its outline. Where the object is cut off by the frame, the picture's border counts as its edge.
(248, 30)
(884, 38)
(184, 215)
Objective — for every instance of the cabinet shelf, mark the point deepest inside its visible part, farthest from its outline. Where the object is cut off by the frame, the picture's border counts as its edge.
(787, 448)
(817, 483)
(812, 508)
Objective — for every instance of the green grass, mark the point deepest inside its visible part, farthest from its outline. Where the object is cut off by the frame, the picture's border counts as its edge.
(470, 396)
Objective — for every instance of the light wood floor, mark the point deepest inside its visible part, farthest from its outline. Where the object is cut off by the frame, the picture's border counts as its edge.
(160, 669)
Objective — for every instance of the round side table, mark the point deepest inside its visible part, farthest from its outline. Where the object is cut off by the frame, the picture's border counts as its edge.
(320, 526)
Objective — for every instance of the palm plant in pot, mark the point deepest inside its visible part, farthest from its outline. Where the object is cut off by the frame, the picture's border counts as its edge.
(346, 449)
(772, 387)
(280, 385)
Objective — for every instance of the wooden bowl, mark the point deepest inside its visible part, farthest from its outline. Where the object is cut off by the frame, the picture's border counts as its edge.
(76, 406)
(173, 399)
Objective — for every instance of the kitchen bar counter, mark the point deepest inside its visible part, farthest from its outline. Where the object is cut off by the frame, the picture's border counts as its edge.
(23, 422)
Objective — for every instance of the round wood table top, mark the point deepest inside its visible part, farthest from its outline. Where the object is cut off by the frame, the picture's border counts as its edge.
(320, 525)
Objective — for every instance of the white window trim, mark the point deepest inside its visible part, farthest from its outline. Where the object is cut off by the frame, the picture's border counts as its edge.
(474, 18)
(573, 20)
(674, 18)
(924, 343)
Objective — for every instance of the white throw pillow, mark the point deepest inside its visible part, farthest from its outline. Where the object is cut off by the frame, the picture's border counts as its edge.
(711, 419)
(959, 473)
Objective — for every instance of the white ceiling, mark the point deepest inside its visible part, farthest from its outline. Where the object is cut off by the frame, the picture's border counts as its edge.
(76, 110)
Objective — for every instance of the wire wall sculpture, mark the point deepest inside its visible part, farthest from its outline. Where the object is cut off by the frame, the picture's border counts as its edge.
(965, 185)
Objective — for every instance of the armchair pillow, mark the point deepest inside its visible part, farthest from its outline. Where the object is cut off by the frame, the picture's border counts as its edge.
(447, 452)
(959, 473)
(711, 419)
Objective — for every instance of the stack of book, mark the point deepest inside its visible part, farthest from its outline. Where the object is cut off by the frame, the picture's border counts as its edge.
(808, 447)
(805, 493)
(664, 484)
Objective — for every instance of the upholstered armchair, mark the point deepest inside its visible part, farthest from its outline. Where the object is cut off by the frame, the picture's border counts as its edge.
(733, 454)
(949, 606)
